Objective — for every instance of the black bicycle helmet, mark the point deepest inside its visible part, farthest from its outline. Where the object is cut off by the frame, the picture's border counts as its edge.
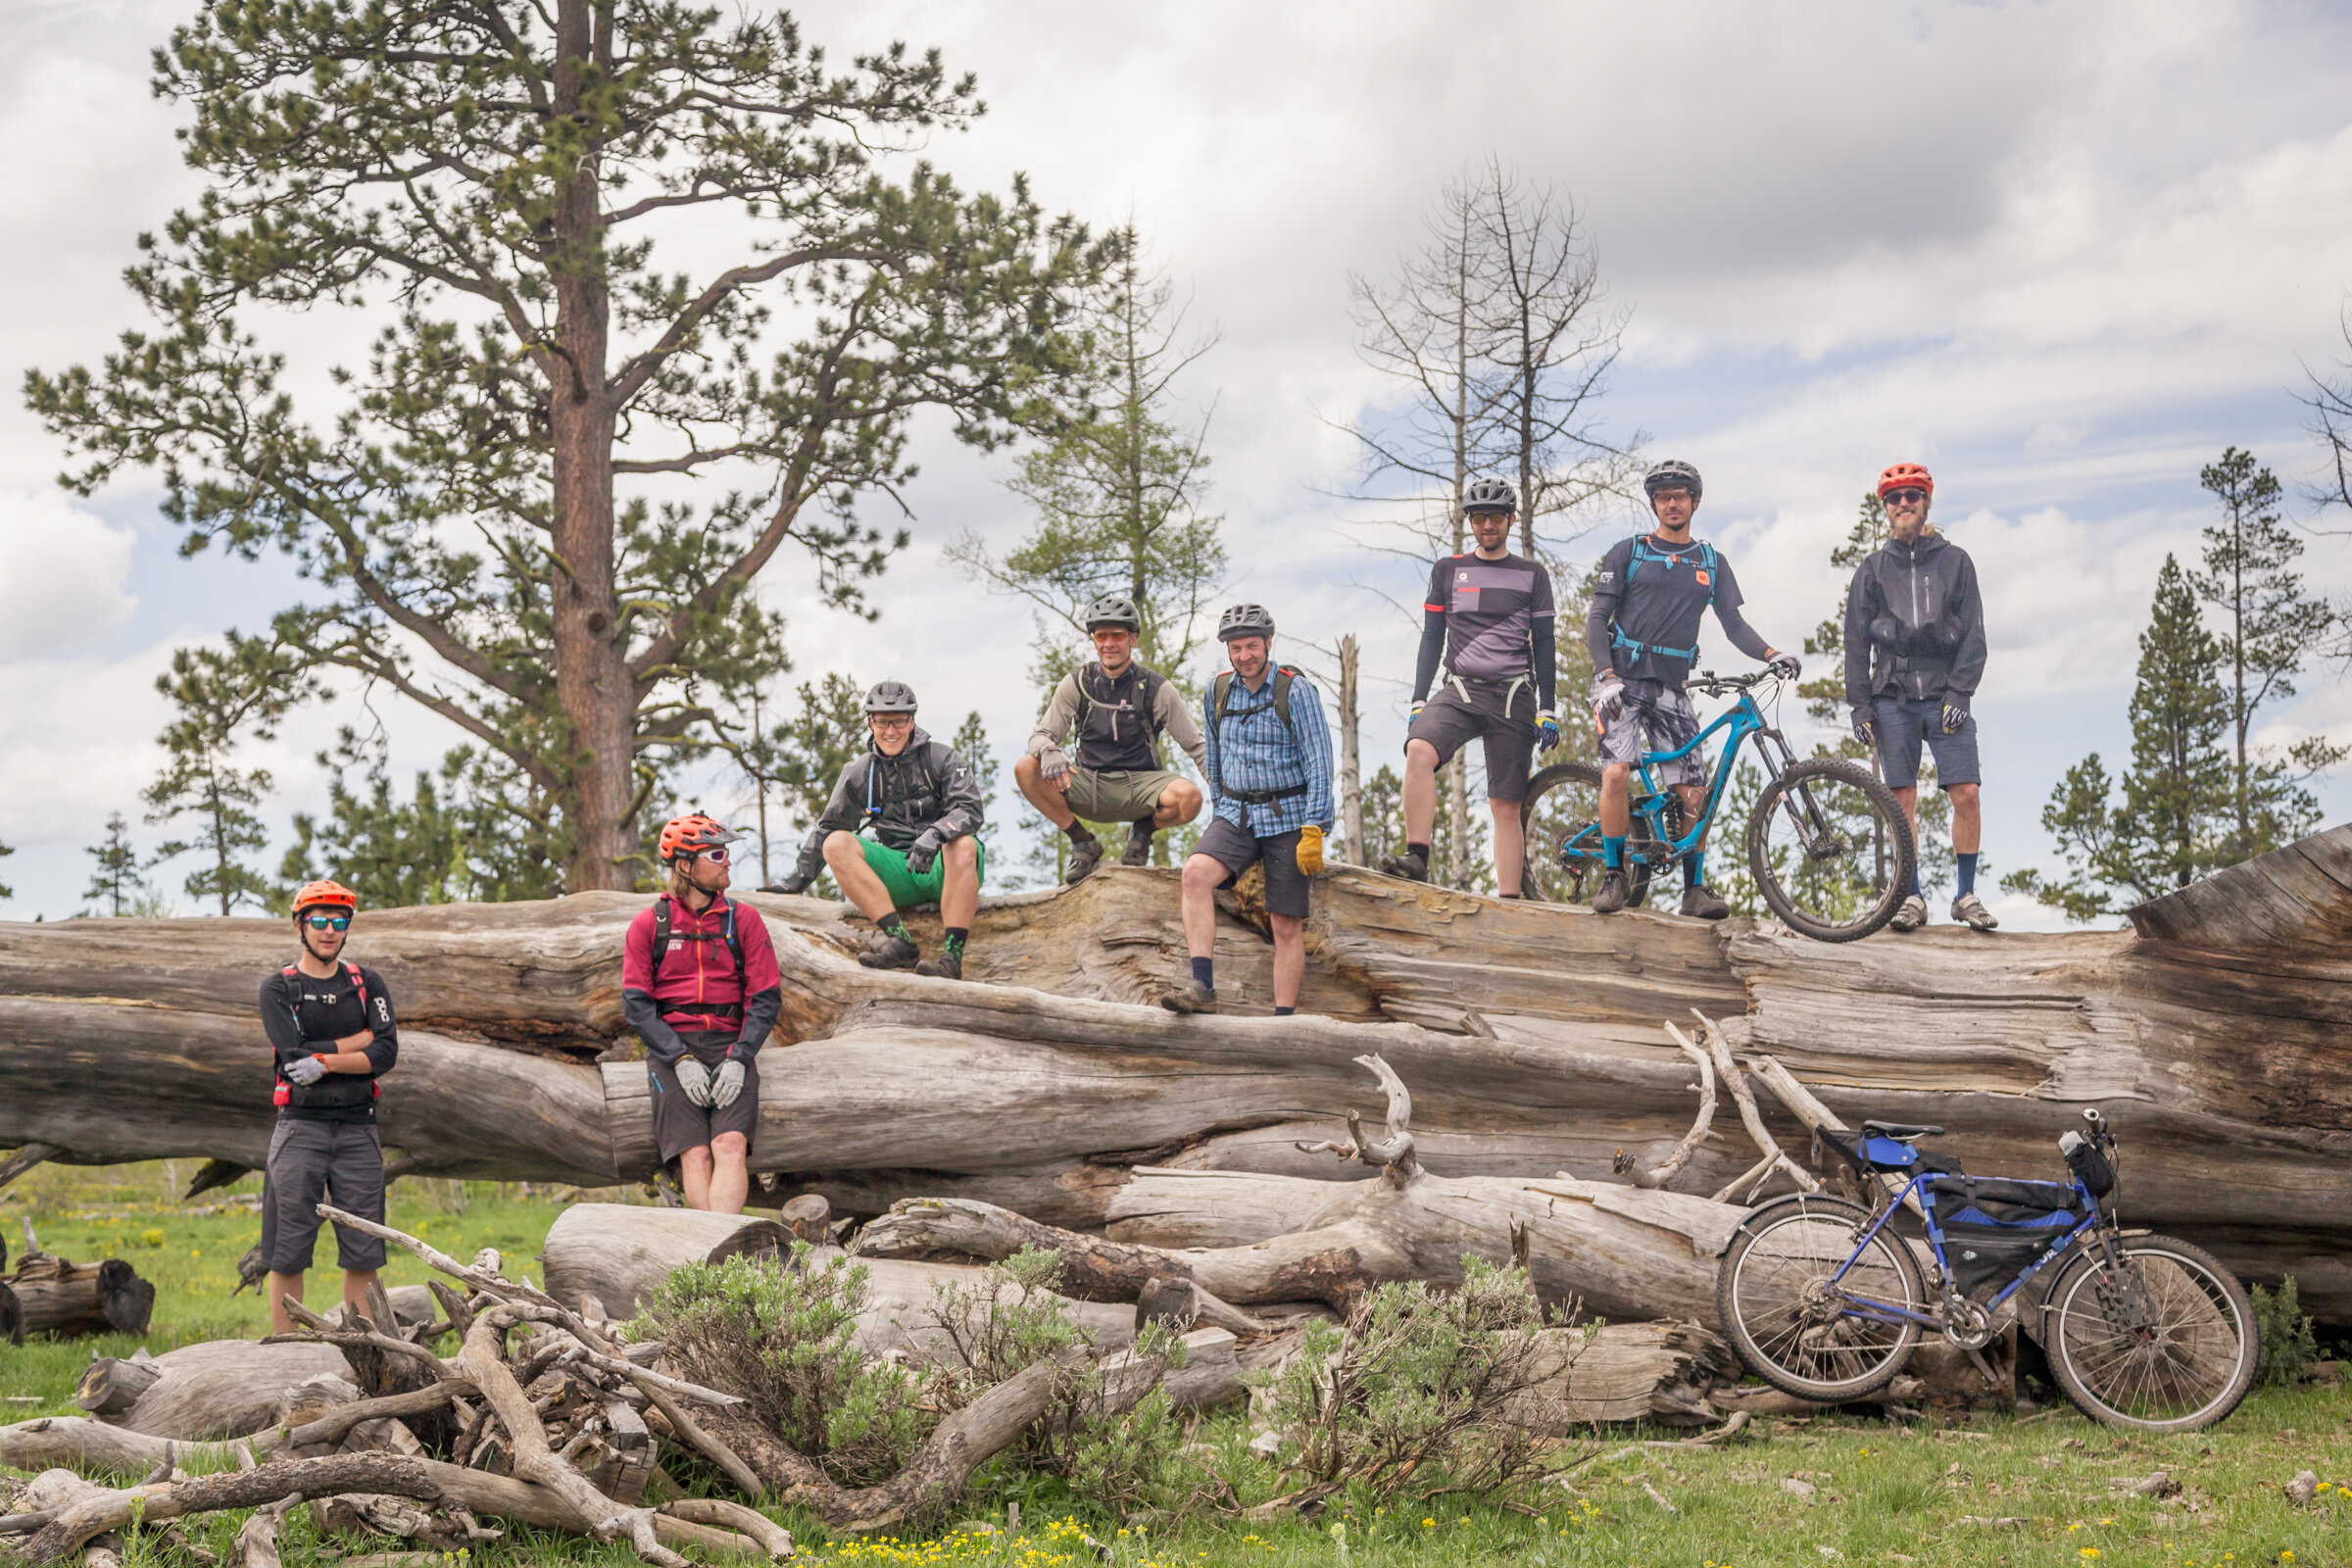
(891, 696)
(1670, 474)
(1491, 495)
(1245, 620)
(1112, 609)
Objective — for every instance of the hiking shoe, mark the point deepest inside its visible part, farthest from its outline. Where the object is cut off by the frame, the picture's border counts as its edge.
(1970, 910)
(1614, 893)
(1412, 865)
(1706, 902)
(948, 965)
(1139, 844)
(1910, 915)
(1085, 856)
(891, 953)
(1190, 997)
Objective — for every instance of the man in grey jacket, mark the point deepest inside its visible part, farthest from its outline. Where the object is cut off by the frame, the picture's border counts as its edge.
(1914, 654)
(920, 801)
(1118, 711)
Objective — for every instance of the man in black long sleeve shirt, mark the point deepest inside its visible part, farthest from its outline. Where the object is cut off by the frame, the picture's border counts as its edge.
(1649, 594)
(1487, 622)
(331, 1037)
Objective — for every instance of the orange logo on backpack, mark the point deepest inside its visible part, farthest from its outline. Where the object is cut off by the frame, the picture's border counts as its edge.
(1701, 578)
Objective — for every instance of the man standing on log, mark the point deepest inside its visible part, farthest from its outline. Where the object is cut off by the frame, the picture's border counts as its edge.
(331, 1036)
(1488, 622)
(1649, 594)
(1269, 773)
(698, 983)
(1914, 654)
(1118, 708)
(923, 803)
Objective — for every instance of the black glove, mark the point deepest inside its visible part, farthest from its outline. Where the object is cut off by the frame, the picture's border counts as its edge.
(794, 883)
(923, 850)
(1955, 713)
(1784, 666)
(1866, 729)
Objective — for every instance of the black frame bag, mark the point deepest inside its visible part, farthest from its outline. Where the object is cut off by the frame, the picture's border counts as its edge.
(1995, 1228)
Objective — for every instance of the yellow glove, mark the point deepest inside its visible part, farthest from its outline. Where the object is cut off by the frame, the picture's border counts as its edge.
(1310, 849)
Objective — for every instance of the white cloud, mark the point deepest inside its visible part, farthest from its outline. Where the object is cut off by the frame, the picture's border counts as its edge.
(61, 573)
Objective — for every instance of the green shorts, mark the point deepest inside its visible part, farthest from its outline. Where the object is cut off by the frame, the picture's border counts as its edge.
(906, 889)
(1118, 796)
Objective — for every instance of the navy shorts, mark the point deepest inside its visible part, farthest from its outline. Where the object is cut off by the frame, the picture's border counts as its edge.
(1904, 725)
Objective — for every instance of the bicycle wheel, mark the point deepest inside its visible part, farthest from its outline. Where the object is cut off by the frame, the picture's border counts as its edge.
(1830, 849)
(1794, 1328)
(2185, 1368)
(1562, 818)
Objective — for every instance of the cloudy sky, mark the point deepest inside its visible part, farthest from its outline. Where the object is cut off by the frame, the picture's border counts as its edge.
(2063, 254)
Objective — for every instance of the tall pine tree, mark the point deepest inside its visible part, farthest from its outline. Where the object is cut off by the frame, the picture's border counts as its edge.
(223, 697)
(114, 881)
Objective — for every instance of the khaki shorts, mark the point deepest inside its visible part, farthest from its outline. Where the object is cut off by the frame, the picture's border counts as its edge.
(1118, 796)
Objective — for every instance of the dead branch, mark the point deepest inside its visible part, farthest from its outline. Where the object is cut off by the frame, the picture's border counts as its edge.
(1749, 1117)
(1672, 1165)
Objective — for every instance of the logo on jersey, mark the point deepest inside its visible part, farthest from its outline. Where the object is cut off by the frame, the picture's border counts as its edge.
(1701, 576)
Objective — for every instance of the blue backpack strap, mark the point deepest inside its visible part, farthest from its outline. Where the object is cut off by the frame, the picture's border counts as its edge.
(1644, 551)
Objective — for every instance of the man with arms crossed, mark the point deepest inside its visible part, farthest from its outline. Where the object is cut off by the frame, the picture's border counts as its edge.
(1647, 598)
(1914, 654)
(1118, 708)
(1488, 620)
(1269, 775)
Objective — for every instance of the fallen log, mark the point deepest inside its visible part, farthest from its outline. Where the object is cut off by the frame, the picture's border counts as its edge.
(213, 1390)
(57, 1296)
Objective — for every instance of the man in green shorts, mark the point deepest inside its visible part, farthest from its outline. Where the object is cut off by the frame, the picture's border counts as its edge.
(921, 803)
(1118, 709)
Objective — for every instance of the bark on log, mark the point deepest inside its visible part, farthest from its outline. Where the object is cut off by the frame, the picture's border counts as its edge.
(1662, 1372)
(57, 1296)
(2215, 1036)
(224, 1387)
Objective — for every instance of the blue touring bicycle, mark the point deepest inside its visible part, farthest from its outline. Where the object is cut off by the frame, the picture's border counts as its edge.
(1823, 1298)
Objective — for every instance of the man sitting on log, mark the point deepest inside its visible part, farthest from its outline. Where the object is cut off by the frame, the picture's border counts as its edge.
(1118, 709)
(922, 801)
(331, 1036)
(1269, 774)
(699, 984)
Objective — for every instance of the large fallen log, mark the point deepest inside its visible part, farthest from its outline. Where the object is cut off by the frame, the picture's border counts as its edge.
(2216, 1036)
(217, 1388)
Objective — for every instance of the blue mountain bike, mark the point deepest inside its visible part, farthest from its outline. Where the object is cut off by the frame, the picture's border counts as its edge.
(1828, 844)
(1822, 1298)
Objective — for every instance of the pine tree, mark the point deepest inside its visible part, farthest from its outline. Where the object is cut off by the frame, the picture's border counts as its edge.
(2269, 626)
(2177, 796)
(7, 850)
(224, 695)
(970, 741)
(453, 839)
(116, 880)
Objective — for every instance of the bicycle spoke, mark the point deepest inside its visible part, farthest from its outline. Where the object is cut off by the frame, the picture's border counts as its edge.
(1826, 850)
(1789, 1309)
(2178, 1364)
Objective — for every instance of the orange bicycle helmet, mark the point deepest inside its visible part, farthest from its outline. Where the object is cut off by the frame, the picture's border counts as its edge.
(329, 894)
(1906, 476)
(685, 835)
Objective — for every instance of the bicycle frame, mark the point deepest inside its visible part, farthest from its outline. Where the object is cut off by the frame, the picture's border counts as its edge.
(1890, 1313)
(1743, 720)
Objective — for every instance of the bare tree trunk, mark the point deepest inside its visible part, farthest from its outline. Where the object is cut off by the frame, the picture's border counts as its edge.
(1352, 774)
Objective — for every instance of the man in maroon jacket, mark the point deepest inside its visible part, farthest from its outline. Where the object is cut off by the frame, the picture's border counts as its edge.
(699, 984)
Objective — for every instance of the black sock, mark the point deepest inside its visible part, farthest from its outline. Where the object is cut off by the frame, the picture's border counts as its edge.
(1078, 832)
(1507, 895)
(1422, 850)
(1283, 1012)
(1204, 973)
(957, 937)
(891, 925)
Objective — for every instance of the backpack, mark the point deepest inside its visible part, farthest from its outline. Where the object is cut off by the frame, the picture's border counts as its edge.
(1152, 680)
(1644, 551)
(662, 939)
(284, 1092)
(1221, 688)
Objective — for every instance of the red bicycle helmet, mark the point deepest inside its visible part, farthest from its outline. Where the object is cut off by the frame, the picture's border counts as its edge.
(1906, 476)
(686, 835)
(329, 894)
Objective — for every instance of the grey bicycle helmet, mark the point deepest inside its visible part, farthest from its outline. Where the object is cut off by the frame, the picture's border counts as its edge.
(1670, 474)
(1245, 620)
(1112, 609)
(891, 696)
(1491, 495)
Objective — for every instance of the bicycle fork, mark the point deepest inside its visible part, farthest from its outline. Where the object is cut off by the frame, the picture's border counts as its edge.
(1813, 829)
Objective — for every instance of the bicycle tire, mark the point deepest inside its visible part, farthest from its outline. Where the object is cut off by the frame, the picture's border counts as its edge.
(1766, 1336)
(1544, 879)
(1859, 921)
(2093, 1364)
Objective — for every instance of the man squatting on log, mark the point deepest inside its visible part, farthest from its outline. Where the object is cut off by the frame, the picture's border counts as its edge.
(1269, 773)
(331, 1038)
(1119, 710)
(922, 801)
(699, 984)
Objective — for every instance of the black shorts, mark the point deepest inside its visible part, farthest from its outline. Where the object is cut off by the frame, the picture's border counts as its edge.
(680, 1124)
(1236, 851)
(321, 1161)
(1494, 709)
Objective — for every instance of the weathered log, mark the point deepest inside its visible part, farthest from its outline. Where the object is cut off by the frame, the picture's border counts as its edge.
(1662, 1372)
(223, 1388)
(111, 1386)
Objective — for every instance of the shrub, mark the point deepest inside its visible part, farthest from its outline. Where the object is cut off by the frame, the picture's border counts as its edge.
(2289, 1346)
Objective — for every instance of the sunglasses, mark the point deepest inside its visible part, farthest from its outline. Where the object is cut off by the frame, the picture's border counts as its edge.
(1912, 497)
(716, 855)
(329, 922)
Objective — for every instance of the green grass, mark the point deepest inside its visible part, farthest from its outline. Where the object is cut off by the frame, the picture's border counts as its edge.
(1882, 1494)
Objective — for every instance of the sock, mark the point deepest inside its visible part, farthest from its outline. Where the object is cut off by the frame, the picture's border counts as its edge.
(1204, 973)
(1695, 868)
(1968, 873)
(892, 926)
(1283, 1012)
(957, 936)
(1078, 832)
(1422, 850)
(1507, 895)
(1612, 852)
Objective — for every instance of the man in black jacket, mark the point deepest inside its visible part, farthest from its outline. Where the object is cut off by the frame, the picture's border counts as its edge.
(331, 1035)
(1914, 654)
(921, 803)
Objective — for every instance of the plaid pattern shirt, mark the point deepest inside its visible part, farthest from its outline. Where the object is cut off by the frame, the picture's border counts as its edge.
(1251, 749)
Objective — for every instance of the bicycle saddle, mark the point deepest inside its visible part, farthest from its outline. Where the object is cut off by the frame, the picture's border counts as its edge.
(1901, 1132)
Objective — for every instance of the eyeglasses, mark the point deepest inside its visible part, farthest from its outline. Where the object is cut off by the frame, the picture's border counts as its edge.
(329, 922)
(1909, 497)
(892, 720)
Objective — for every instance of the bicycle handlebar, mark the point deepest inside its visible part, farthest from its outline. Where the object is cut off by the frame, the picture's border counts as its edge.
(1714, 685)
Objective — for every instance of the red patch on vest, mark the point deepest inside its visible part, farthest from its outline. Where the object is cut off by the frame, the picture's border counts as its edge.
(1702, 578)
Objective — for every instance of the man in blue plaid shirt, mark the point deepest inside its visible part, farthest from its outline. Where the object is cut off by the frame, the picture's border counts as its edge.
(1269, 779)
